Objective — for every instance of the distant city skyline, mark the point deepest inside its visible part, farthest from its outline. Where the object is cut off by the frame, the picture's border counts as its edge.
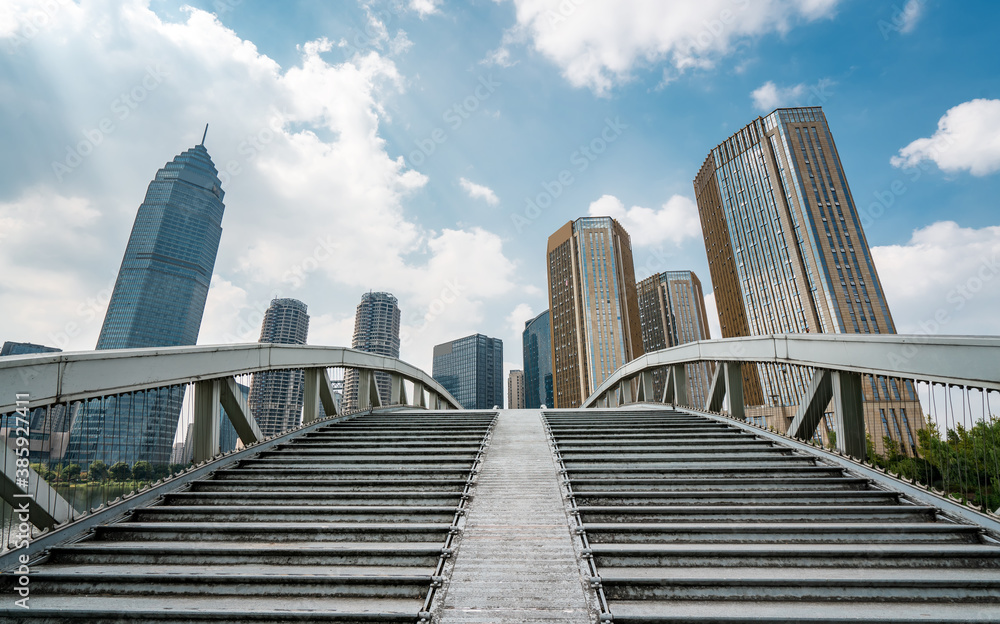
(357, 156)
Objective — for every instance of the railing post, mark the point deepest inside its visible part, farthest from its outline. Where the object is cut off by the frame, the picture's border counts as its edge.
(207, 396)
(397, 392)
(848, 410)
(625, 391)
(418, 395)
(310, 395)
(679, 373)
(734, 388)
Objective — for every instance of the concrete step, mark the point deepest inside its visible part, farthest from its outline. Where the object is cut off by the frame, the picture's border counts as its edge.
(275, 532)
(785, 532)
(250, 498)
(756, 513)
(295, 513)
(855, 556)
(729, 470)
(732, 497)
(189, 553)
(830, 584)
(184, 609)
(328, 471)
(831, 480)
(232, 580)
(331, 485)
(800, 612)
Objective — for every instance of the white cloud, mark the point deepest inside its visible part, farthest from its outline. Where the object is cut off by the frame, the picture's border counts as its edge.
(515, 320)
(770, 96)
(478, 191)
(957, 290)
(314, 203)
(425, 7)
(675, 221)
(597, 44)
(911, 14)
(967, 139)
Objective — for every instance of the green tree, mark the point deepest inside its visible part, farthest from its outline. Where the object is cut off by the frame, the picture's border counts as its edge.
(98, 471)
(142, 471)
(72, 472)
(120, 471)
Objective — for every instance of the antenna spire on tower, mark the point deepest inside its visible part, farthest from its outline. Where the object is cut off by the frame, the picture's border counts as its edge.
(204, 135)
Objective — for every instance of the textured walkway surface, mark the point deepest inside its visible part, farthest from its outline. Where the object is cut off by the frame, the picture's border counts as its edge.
(516, 561)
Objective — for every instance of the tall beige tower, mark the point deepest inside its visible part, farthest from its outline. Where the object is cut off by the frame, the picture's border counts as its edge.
(594, 313)
(672, 312)
(787, 254)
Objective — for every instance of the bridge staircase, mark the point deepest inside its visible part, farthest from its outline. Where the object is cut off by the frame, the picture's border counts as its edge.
(689, 518)
(352, 522)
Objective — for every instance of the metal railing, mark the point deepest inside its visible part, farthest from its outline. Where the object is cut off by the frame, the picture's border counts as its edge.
(81, 430)
(923, 408)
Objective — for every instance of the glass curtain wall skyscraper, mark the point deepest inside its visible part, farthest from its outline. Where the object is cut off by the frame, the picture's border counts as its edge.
(537, 354)
(471, 370)
(787, 252)
(376, 330)
(158, 301)
(672, 312)
(276, 397)
(594, 313)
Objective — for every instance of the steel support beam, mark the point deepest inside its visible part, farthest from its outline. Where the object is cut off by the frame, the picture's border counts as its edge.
(310, 394)
(680, 377)
(646, 387)
(397, 390)
(330, 404)
(625, 392)
(238, 412)
(717, 390)
(205, 431)
(848, 413)
(812, 406)
(727, 381)
(419, 400)
(668, 387)
(56, 509)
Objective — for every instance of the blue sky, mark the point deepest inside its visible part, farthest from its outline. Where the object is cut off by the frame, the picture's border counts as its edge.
(393, 145)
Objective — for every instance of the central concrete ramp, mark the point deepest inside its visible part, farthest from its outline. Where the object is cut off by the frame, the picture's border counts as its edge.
(515, 562)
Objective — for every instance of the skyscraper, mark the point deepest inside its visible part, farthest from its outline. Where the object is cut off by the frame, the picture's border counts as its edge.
(276, 396)
(594, 313)
(672, 312)
(786, 250)
(515, 390)
(158, 301)
(471, 370)
(48, 426)
(376, 330)
(537, 354)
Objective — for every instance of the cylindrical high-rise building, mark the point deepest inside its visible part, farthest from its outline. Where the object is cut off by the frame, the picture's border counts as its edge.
(276, 396)
(376, 330)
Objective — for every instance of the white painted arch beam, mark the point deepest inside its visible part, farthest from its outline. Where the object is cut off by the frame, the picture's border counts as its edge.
(957, 360)
(62, 377)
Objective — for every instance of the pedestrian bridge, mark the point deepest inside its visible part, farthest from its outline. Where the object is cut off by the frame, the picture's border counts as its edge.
(638, 511)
